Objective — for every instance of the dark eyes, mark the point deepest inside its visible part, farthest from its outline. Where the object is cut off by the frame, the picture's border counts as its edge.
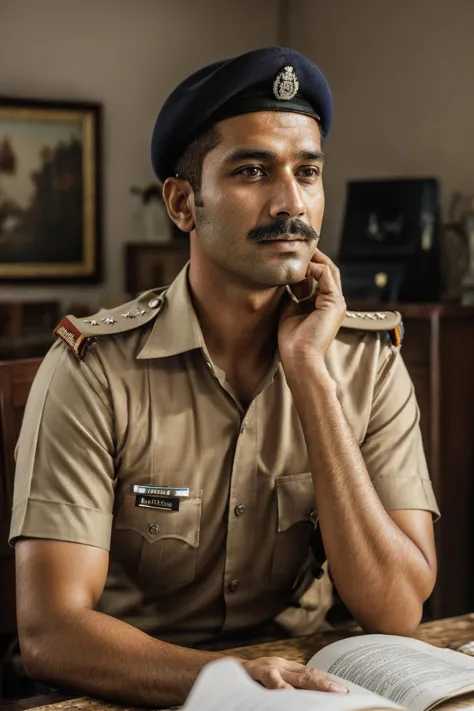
(309, 172)
(252, 171)
(255, 171)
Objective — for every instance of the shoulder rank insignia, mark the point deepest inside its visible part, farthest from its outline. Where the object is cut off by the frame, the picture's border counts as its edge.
(388, 321)
(80, 333)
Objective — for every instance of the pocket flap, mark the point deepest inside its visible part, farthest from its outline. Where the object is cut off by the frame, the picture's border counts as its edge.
(155, 525)
(295, 493)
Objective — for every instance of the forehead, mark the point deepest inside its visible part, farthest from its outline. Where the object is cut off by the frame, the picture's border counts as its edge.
(275, 130)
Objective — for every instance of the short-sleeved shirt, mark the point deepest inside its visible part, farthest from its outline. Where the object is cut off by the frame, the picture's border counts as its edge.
(149, 407)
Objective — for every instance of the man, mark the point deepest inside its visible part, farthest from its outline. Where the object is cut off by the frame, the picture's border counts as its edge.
(196, 431)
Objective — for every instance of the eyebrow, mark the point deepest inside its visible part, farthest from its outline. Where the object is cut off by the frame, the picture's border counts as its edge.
(256, 154)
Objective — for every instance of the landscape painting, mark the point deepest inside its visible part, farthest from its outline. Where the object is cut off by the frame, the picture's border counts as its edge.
(49, 191)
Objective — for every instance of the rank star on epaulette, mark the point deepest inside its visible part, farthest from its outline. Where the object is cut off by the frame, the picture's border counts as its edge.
(389, 322)
(79, 333)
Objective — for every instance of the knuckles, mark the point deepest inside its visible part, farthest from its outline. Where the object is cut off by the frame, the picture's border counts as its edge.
(272, 672)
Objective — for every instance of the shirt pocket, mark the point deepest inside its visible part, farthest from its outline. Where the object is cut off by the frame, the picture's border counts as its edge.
(169, 541)
(295, 502)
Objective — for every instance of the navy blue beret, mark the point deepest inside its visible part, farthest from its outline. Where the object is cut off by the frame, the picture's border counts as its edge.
(272, 78)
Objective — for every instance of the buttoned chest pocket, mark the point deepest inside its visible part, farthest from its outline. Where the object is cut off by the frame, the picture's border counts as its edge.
(295, 501)
(170, 541)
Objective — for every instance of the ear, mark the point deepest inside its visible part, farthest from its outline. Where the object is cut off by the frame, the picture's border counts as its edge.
(178, 197)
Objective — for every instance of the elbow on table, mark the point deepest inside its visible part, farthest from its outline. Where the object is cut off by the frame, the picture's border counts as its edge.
(33, 661)
(402, 622)
(37, 657)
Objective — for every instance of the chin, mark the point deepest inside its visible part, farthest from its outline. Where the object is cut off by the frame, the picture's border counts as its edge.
(290, 273)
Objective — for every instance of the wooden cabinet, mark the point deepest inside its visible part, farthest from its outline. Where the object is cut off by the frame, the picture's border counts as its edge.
(439, 352)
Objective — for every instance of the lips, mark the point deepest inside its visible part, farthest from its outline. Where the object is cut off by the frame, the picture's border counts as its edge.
(287, 238)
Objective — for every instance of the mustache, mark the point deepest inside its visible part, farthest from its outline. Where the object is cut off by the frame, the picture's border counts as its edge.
(280, 228)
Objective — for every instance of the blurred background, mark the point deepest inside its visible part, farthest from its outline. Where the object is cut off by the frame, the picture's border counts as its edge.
(401, 76)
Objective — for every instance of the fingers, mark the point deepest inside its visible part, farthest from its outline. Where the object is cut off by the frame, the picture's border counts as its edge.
(327, 283)
(321, 258)
(303, 290)
(278, 673)
(314, 680)
(274, 680)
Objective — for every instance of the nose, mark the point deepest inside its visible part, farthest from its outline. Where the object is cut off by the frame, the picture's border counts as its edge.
(287, 201)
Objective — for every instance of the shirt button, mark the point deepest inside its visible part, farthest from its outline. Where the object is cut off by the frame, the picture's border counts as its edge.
(153, 303)
(243, 426)
(234, 585)
(153, 529)
(240, 509)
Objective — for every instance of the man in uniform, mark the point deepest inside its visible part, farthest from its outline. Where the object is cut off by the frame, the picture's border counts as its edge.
(200, 432)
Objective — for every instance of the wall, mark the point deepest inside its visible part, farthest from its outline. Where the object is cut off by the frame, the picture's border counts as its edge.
(401, 75)
(127, 54)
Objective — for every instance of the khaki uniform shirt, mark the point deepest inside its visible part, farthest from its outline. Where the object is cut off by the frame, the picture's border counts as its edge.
(146, 405)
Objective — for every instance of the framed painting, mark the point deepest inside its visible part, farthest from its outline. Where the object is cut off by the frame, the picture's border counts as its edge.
(50, 191)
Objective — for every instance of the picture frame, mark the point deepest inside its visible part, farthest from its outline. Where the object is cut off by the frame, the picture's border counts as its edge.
(50, 191)
(149, 265)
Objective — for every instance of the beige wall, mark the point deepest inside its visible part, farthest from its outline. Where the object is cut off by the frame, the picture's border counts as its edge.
(127, 54)
(402, 78)
(401, 73)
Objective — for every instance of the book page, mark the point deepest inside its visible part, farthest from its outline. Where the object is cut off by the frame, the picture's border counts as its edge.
(409, 672)
(224, 685)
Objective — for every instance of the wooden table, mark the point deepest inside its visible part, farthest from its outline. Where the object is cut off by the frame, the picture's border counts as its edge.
(450, 632)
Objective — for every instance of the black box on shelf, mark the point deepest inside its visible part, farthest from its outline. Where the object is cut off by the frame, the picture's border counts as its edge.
(391, 241)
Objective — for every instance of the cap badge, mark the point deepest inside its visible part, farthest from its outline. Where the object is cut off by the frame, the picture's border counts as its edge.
(286, 85)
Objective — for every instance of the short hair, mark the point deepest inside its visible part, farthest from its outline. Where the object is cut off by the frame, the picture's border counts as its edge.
(189, 164)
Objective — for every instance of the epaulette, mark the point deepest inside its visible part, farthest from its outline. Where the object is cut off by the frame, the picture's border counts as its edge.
(80, 333)
(387, 321)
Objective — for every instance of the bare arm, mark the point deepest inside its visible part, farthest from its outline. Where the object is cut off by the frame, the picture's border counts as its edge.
(384, 566)
(65, 642)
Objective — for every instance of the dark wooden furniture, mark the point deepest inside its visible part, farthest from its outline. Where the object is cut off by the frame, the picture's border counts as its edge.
(15, 382)
(439, 353)
(26, 328)
(450, 633)
(27, 318)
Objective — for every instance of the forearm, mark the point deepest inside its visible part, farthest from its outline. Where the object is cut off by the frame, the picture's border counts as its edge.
(381, 575)
(98, 655)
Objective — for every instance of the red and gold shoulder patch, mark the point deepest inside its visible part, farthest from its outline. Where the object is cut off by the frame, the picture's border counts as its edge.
(80, 333)
(76, 341)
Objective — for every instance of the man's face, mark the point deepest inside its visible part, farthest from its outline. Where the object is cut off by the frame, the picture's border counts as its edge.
(262, 198)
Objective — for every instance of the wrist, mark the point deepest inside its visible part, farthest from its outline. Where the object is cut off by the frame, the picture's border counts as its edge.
(313, 373)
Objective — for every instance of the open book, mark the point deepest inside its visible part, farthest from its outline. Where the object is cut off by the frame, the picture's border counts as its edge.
(380, 671)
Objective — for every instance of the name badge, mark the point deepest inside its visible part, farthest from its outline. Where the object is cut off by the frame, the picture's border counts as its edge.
(180, 492)
(157, 502)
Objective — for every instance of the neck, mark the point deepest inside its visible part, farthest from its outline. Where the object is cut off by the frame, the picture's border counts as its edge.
(234, 318)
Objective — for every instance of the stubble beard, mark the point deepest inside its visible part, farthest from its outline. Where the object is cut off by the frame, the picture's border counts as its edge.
(250, 268)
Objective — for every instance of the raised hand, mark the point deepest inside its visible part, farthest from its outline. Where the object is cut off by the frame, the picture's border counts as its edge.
(304, 338)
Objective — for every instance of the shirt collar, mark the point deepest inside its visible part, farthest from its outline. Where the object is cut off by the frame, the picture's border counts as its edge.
(176, 328)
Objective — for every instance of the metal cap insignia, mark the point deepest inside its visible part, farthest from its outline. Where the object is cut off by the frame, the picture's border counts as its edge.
(286, 84)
